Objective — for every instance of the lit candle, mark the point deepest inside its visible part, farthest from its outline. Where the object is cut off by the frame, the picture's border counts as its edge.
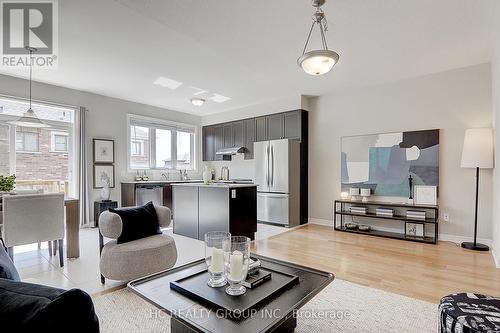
(217, 263)
(236, 264)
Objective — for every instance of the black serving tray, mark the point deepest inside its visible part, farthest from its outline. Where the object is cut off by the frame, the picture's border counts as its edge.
(236, 307)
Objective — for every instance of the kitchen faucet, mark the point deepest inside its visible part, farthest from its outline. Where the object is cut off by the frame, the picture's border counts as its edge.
(166, 175)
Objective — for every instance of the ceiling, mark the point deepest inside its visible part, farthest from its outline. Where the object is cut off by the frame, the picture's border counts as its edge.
(247, 50)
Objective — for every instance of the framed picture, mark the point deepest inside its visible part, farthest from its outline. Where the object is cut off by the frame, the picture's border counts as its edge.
(102, 174)
(414, 229)
(425, 195)
(104, 151)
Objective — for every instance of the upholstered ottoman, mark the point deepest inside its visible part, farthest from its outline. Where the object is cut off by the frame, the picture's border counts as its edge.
(469, 313)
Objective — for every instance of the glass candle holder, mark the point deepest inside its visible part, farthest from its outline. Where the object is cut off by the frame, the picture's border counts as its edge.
(214, 257)
(236, 258)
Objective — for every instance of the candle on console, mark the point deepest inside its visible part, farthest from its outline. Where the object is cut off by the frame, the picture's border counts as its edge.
(217, 262)
(236, 264)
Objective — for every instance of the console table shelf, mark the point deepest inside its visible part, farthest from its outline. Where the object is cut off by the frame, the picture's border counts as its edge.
(341, 212)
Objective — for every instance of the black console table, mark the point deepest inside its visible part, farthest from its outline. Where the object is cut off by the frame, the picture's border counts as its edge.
(342, 213)
(101, 206)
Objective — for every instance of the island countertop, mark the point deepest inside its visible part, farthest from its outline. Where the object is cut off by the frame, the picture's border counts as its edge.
(216, 185)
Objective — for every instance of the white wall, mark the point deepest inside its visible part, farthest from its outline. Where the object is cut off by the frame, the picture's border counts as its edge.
(451, 101)
(495, 69)
(106, 119)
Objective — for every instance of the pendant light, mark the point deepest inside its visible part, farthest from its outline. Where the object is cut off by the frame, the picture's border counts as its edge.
(318, 62)
(29, 118)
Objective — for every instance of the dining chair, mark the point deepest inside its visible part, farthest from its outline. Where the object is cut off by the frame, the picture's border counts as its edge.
(33, 218)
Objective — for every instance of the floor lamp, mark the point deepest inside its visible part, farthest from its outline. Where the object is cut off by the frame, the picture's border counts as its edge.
(478, 154)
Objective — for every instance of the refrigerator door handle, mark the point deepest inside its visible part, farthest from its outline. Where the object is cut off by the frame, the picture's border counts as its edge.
(272, 168)
(267, 165)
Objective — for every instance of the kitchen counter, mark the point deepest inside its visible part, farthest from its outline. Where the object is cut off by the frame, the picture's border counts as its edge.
(161, 181)
(216, 185)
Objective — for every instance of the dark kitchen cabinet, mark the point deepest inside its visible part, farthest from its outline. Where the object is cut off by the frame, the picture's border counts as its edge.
(275, 127)
(228, 135)
(249, 126)
(261, 129)
(292, 125)
(238, 134)
(218, 140)
(208, 139)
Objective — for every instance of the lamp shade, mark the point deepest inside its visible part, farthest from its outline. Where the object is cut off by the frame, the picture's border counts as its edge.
(478, 148)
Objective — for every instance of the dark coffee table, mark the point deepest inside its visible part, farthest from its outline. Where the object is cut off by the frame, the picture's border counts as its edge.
(276, 315)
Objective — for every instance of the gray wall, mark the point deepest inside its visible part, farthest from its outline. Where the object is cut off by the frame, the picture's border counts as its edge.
(106, 119)
(451, 101)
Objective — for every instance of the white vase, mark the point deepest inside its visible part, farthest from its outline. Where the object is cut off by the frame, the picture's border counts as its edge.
(105, 193)
(207, 175)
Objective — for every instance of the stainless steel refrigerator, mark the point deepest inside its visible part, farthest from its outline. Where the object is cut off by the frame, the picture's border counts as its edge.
(277, 175)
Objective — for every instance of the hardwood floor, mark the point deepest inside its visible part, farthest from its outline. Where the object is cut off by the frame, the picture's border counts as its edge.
(417, 270)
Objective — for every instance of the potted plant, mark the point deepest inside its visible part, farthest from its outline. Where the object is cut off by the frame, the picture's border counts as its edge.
(7, 183)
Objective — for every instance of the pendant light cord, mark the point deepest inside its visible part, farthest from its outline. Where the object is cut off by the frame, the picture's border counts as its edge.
(322, 29)
(31, 71)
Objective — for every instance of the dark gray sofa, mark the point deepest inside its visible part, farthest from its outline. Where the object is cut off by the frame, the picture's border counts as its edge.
(28, 307)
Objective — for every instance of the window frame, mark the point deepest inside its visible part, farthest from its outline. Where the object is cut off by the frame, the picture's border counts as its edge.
(53, 141)
(152, 124)
(23, 150)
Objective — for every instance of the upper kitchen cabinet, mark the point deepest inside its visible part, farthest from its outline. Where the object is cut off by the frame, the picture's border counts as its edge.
(249, 126)
(243, 133)
(292, 125)
(261, 129)
(275, 127)
(228, 135)
(208, 139)
(218, 141)
(238, 134)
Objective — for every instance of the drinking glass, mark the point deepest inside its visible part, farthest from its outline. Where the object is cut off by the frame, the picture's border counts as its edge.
(214, 257)
(236, 258)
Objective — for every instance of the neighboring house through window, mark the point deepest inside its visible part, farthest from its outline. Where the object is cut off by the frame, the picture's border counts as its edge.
(27, 141)
(59, 142)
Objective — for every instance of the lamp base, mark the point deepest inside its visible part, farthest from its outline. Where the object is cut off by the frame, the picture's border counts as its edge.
(476, 247)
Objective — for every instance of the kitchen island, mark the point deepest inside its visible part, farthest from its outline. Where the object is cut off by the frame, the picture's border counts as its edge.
(200, 208)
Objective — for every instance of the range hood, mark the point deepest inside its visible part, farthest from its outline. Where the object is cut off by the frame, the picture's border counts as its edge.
(230, 151)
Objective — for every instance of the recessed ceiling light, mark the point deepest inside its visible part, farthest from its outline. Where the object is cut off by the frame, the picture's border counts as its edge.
(219, 98)
(167, 83)
(197, 101)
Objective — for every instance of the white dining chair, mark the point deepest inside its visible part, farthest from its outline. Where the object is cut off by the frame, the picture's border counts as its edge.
(33, 218)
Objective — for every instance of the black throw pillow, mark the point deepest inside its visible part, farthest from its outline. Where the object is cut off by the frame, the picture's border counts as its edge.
(7, 268)
(138, 222)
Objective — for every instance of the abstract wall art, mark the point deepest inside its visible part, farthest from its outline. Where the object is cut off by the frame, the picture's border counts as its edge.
(384, 162)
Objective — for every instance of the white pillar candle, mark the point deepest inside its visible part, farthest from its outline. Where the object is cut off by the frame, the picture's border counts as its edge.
(217, 263)
(236, 264)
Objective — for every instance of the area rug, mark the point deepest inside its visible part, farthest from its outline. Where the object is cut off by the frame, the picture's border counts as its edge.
(341, 307)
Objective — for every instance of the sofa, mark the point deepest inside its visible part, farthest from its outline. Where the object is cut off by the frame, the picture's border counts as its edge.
(28, 307)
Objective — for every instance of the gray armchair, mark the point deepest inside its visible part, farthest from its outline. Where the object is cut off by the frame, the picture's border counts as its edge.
(138, 258)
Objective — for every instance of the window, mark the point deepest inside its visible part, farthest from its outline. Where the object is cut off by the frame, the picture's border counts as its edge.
(137, 148)
(59, 142)
(27, 141)
(157, 144)
(41, 158)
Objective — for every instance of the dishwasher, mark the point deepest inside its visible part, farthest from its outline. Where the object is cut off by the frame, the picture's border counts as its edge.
(147, 193)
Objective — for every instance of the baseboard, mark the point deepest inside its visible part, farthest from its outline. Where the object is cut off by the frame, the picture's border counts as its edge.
(495, 255)
(460, 239)
(328, 223)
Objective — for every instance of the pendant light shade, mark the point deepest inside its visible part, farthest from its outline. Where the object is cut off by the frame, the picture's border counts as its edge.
(29, 118)
(318, 62)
